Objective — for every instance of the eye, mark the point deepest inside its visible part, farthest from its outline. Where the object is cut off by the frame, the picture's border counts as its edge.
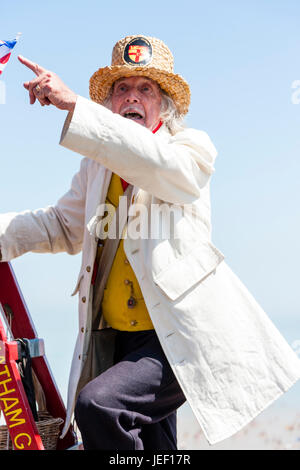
(121, 88)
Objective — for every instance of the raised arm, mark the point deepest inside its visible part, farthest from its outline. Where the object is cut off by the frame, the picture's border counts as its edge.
(173, 169)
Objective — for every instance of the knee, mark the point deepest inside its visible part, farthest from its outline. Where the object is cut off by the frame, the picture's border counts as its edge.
(93, 399)
(84, 405)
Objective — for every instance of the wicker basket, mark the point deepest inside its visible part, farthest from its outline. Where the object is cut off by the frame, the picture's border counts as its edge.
(5, 442)
(48, 429)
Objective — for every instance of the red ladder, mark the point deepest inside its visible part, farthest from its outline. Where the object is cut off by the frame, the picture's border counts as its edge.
(13, 401)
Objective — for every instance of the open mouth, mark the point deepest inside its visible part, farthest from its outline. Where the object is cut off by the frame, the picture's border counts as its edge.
(133, 115)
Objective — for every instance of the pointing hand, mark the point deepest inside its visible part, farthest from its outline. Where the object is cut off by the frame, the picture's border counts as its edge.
(48, 88)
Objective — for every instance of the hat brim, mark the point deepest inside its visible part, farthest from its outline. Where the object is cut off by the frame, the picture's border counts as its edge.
(102, 80)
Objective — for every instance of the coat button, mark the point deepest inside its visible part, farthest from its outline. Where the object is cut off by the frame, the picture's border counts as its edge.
(88, 268)
(126, 282)
(133, 323)
(131, 302)
(83, 299)
(82, 330)
(126, 261)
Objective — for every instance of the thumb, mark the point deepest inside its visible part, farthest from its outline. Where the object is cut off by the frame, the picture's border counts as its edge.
(26, 85)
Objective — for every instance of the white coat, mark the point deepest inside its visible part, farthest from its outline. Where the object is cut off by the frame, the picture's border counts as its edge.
(229, 359)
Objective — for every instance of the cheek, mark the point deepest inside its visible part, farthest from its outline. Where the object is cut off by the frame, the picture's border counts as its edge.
(115, 105)
(154, 110)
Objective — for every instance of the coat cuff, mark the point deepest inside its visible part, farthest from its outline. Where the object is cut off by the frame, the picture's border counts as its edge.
(78, 133)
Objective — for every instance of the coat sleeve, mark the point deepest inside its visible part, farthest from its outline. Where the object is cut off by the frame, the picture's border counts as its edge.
(52, 229)
(173, 169)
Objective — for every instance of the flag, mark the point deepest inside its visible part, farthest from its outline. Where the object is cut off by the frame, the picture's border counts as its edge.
(5, 51)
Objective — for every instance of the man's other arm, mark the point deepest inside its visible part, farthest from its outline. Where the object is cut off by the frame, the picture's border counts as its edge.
(53, 229)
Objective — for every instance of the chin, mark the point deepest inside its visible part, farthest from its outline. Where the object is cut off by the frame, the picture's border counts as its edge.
(139, 121)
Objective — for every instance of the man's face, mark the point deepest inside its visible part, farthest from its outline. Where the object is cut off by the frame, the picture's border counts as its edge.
(139, 99)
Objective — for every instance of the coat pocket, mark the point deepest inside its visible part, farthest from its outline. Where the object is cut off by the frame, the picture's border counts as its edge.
(185, 272)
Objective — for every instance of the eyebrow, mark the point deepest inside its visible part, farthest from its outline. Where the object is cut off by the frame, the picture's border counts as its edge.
(122, 80)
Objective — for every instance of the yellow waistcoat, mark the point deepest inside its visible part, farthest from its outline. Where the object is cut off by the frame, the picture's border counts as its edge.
(122, 285)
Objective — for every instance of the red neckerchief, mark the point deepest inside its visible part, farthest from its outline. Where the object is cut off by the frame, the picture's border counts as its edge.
(124, 183)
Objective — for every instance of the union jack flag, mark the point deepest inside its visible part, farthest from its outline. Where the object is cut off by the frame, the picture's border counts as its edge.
(5, 51)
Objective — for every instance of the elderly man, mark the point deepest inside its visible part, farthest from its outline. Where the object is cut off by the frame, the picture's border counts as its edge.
(162, 318)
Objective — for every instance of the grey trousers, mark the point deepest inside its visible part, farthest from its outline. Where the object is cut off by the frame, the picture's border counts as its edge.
(132, 405)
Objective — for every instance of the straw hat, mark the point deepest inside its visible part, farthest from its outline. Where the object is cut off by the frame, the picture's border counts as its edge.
(144, 56)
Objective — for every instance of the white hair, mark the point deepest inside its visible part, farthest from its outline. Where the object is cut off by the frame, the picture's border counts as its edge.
(169, 114)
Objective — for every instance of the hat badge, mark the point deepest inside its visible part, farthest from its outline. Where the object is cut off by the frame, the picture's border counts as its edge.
(138, 52)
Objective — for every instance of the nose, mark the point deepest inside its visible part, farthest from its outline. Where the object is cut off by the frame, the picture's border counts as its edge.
(132, 96)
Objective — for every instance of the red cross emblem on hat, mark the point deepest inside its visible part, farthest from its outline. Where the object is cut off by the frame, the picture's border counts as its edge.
(138, 51)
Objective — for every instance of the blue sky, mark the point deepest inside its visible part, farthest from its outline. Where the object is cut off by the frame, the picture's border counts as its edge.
(240, 59)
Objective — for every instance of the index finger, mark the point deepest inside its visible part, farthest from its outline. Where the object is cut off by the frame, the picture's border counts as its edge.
(37, 69)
